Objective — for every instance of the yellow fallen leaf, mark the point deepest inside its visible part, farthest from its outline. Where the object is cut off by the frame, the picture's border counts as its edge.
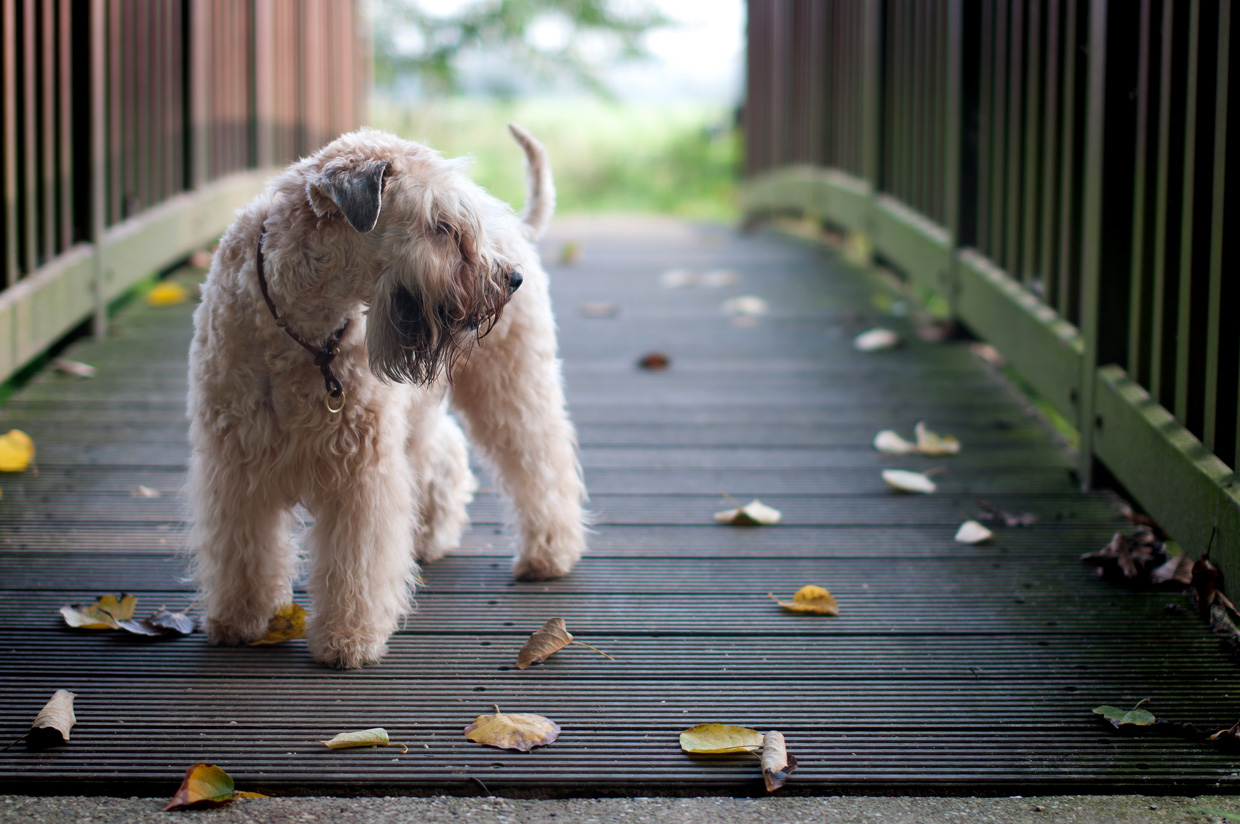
(286, 625)
(777, 764)
(678, 279)
(72, 367)
(105, 613)
(719, 739)
(145, 492)
(932, 443)
(754, 513)
(375, 737)
(167, 293)
(512, 731)
(859, 249)
(51, 726)
(889, 442)
(812, 599)
(971, 532)
(876, 340)
(751, 305)
(206, 785)
(16, 451)
(905, 481)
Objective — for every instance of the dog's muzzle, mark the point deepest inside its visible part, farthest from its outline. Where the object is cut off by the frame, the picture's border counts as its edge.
(514, 281)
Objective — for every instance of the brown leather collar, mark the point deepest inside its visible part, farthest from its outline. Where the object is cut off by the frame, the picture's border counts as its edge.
(323, 355)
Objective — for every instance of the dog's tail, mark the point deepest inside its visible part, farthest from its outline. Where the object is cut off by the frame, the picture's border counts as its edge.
(540, 192)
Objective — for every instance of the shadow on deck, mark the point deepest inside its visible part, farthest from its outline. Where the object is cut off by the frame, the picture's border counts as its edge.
(950, 668)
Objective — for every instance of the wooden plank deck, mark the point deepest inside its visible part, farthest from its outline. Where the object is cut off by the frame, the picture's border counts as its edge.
(949, 669)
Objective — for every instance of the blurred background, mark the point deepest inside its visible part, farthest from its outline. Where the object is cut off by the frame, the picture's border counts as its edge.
(637, 100)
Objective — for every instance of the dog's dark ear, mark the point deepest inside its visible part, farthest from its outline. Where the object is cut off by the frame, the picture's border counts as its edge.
(354, 191)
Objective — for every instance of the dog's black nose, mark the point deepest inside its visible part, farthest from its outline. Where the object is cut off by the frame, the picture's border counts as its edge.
(514, 280)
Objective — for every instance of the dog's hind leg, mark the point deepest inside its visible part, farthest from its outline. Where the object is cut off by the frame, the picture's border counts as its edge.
(511, 395)
(243, 558)
(362, 567)
(440, 458)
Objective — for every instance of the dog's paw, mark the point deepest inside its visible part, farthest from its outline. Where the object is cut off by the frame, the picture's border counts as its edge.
(346, 653)
(232, 632)
(542, 568)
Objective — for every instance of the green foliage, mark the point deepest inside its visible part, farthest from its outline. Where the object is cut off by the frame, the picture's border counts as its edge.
(607, 157)
(412, 42)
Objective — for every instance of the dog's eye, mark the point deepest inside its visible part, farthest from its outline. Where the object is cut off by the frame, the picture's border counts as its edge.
(444, 229)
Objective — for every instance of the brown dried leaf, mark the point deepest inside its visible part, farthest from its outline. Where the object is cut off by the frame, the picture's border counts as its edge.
(1178, 569)
(777, 764)
(286, 625)
(654, 361)
(552, 638)
(51, 726)
(812, 599)
(993, 513)
(72, 367)
(512, 731)
(159, 623)
(754, 513)
(205, 785)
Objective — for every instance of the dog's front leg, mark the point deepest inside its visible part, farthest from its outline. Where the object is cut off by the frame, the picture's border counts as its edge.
(511, 395)
(243, 561)
(362, 567)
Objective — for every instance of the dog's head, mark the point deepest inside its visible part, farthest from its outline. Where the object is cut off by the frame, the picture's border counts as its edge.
(436, 244)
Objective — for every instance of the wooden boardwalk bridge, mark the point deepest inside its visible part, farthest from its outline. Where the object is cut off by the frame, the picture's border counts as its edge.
(950, 668)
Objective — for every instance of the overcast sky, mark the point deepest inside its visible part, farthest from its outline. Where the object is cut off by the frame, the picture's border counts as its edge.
(702, 57)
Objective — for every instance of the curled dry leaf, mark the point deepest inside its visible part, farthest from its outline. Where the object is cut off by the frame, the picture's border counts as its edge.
(205, 785)
(543, 643)
(286, 625)
(754, 513)
(971, 532)
(106, 613)
(512, 731)
(51, 726)
(654, 361)
(374, 737)
(160, 623)
(876, 340)
(16, 451)
(889, 442)
(720, 739)
(553, 636)
(906, 481)
(72, 367)
(812, 599)
(570, 253)
(932, 443)
(145, 492)
(993, 513)
(777, 764)
(1177, 569)
(167, 293)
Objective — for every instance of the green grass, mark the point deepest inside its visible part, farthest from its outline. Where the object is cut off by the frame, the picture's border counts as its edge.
(607, 157)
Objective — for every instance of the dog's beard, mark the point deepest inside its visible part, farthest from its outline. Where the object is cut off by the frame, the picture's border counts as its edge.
(413, 341)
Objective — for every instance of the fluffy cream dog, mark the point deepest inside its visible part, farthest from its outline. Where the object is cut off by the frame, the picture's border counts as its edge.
(372, 285)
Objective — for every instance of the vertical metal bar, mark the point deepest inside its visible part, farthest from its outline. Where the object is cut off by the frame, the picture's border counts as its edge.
(30, 180)
(985, 121)
(1011, 258)
(1157, 342)
(1068, 205)
(47, 129)
(264, 82)
(99, 76)
(1139, 291)
(893, 146)
(200, 91)
(870, 92)
(115, 96)
(8, 142)
(64, 53)
(1184, 303)
(129, 126)
(1214, 301)
(1050, 155)
(1029, 241)
(950, 145)
(1091, 222)
(998, 191)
